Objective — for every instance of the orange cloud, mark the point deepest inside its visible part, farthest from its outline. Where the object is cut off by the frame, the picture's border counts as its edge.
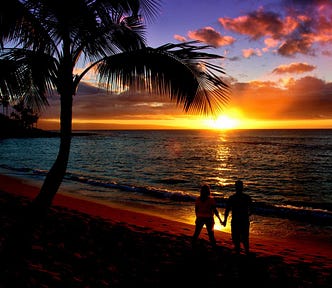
(180, 38)
(306, 24)
(270, 42)
(247, 53)
(257, 24)
(297, 68)
(210, 36)
(306, 98)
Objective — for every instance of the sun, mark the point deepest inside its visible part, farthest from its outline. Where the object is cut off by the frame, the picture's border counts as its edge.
(223, 122)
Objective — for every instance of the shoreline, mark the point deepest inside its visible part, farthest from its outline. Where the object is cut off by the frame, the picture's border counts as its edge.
(119, 213)
(316, 257)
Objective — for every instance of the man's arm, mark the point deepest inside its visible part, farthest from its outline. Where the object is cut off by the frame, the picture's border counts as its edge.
(226, 216)
(227, 209)
(216, 212)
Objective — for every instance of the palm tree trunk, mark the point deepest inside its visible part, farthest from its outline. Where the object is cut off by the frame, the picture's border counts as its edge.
(66, 88)
(56, 174)
(18, 244)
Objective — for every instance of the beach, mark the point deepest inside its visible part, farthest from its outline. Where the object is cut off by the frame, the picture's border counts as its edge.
(85, 243)
(286, 172)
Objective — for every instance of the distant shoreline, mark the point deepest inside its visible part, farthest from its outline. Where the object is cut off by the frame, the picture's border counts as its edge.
(10, 128)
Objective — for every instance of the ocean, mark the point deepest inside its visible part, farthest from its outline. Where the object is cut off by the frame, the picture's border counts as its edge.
(288, 173)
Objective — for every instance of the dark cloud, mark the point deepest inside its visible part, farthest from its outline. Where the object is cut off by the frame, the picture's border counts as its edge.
(294, 46)
(92, 102)
(304, 4)
(327, 53)
(312, 98)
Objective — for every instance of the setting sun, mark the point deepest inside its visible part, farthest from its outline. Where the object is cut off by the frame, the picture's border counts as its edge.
(223, 122)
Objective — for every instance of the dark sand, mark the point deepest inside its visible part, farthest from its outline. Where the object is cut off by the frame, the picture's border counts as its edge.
(83, 243)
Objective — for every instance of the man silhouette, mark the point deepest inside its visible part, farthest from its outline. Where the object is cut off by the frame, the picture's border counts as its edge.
(240, 205)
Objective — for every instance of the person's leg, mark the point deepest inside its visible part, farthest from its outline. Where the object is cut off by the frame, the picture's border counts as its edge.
(198, 229)
(210, 230)
(236, 238)
(246, 245)
(245, 238)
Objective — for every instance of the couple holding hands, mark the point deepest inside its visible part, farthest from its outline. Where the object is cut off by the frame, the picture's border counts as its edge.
(239, 204)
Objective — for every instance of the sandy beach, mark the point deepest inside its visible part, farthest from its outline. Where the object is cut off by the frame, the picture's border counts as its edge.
(84, 243)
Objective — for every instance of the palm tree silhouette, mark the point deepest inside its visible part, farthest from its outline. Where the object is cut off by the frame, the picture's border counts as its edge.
(42, 42)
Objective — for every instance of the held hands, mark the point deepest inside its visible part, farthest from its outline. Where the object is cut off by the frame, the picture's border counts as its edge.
(223, 223)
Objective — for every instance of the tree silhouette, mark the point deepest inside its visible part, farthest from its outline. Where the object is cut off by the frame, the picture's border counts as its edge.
(42, 42)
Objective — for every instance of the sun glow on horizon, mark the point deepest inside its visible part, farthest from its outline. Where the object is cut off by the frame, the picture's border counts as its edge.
(223, 122)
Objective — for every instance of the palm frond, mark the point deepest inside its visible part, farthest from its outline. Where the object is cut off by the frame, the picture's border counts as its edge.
(148, 9)
(182, 71)
(29, 76)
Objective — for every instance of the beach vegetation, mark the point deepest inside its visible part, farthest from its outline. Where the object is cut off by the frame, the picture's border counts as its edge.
(43, 42)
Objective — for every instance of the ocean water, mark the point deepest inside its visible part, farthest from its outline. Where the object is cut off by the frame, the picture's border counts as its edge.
(288, 173)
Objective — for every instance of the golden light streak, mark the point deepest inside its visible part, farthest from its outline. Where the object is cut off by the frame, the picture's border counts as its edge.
(226, 123)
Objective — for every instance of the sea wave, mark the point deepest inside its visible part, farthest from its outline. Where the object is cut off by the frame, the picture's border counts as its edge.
(318, 214)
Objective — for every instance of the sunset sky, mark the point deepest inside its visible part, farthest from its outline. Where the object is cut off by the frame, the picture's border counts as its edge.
(278, 61)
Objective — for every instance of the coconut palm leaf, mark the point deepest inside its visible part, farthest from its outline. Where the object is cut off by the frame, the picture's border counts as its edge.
(29, 76)
(173, 70)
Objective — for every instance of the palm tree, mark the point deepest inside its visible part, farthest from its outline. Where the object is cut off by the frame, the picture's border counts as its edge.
(42, 41)
(5, 103)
